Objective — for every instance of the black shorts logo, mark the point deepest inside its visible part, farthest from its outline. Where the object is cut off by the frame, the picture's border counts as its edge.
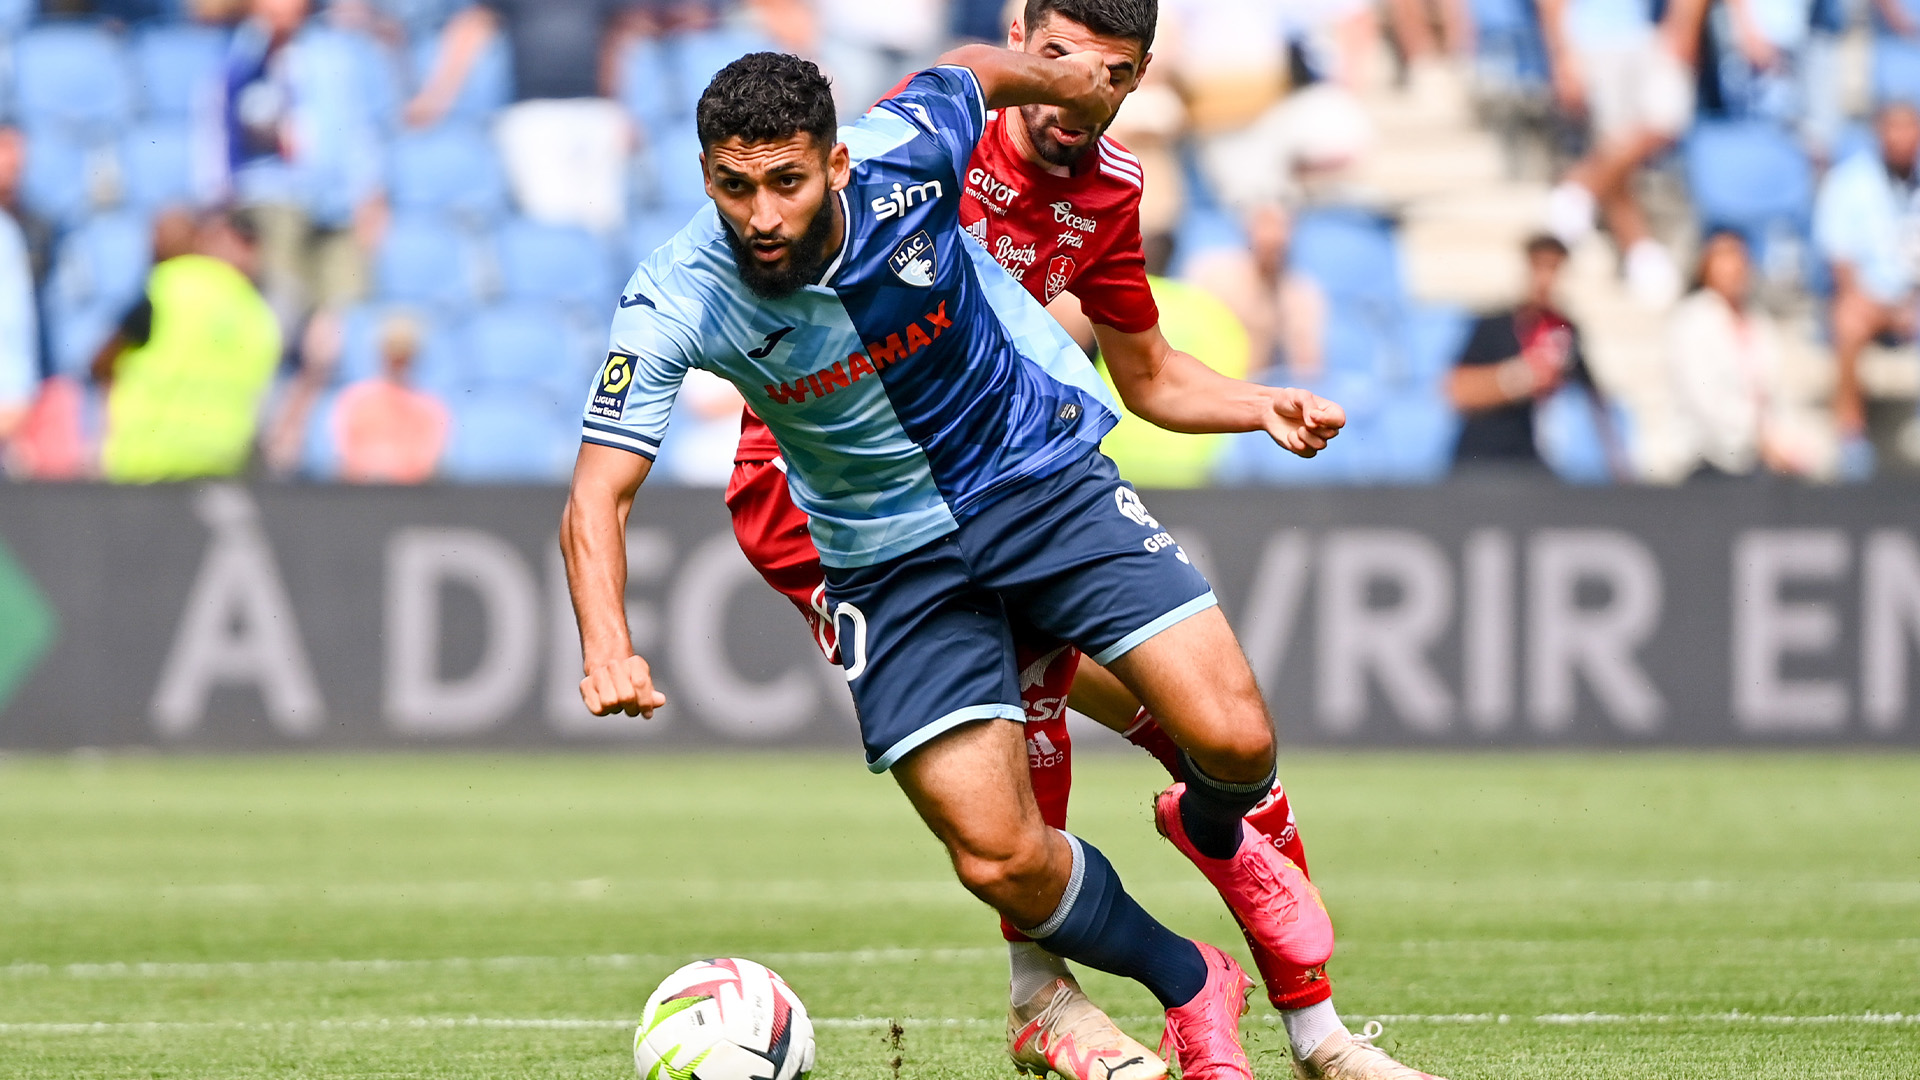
(610, 392)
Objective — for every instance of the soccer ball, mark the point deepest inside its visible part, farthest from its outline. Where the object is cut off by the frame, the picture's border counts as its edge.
(724, 1020)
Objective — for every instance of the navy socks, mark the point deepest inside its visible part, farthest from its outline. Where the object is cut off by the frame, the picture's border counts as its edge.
(1099, 925)
(1211, 809)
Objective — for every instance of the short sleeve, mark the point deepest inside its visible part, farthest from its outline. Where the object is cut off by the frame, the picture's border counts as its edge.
(1114, 290)
(947, 104)
(648, 353)
(1487, 343)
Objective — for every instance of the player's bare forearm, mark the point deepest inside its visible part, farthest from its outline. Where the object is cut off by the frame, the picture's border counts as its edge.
(593, 532)
(1008, 79)
(1173, 390)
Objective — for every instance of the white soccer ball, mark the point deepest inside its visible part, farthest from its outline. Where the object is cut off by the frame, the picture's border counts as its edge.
(724, 1020)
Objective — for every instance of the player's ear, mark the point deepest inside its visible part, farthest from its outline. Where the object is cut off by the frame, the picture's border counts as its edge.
(1140, 73)
(1017, 32)
(706, 178)
(839, 167)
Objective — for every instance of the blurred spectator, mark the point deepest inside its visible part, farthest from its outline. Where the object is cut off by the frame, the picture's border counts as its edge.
(866, 47)
(1425, 52)
(564, 143)
(189, 365)
(706, 424)
(1866, 222)
(388, 431)
(1198, 324)
(35, 232)
(302, 161)
(1633, 79)
(1777, 62)
(1284, 313)
(1513, 361)
(1724, 357)
(19, 329)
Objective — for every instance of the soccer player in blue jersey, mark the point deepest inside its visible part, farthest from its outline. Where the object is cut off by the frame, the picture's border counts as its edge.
(942, 431)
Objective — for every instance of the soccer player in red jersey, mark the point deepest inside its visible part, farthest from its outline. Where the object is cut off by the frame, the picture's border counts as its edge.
(1059, 210)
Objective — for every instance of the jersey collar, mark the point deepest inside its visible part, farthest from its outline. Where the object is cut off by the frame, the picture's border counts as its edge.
(846, 241)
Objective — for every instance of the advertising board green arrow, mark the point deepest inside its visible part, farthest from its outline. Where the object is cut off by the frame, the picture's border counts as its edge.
(27, 625)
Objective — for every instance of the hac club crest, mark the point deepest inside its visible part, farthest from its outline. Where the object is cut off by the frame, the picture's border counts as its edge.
(913, 261)
(1059, 272)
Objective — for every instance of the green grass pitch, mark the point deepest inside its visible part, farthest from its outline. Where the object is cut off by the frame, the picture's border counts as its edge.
(1514, 916)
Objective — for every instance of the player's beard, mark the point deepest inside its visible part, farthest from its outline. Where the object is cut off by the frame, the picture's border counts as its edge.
(1042, 121)
(805, 256)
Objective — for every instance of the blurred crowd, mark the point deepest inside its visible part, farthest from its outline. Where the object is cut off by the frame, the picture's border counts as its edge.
(378, 240)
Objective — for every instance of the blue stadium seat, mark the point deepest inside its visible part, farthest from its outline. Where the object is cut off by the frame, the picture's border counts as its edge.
(560, 263)
(673, 162)
(699, 55)
(533, 349)
(156, 166)
(59, 175)
(1896, 69)
(648, 230)
(1435, 335)
(14, 16)
(319, 452)
(72, 74)
(1752, 176)
(1511, 52)
(489, 85)
(1418, 430)
(99, 271)
(1353, 254)
(420, 18)
(425, 260)
(1568, 434)
(451, 168)
(500, 437)
(648, 88)
(178, 67)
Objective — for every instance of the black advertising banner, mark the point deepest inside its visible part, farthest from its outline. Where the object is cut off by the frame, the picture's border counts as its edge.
(1501, 614)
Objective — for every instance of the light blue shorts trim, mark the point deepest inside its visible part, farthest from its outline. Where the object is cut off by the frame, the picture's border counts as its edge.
(943, 725)
(1190, 608)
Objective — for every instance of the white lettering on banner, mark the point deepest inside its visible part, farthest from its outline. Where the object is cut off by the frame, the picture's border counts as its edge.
(649, 556)
(1568, 640)
(1273, 603)
(1767, 628)
(1890, 618)
(706, 678)
(420, 563)
(1388, 642)
(238, 627)
(1486, 638)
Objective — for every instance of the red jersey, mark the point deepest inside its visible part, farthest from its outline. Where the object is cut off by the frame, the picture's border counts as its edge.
(1078, 233)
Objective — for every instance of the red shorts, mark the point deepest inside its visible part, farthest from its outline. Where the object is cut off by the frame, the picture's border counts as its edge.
(773, 534)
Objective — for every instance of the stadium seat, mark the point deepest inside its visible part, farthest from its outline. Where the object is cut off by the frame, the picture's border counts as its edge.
(1896, 69)
(1353, 254)
(1568, 434)
(1435, 335)
(500, 437)
(1750, 175)
(489, 85)
(698, 56)
(1510, 51)
(648, 88)
(553, 262)
(534, 349)
(673, 163)
(1418, 430)
(451, 168)
(648, 230)
(75, 75)
(156, 166)
(319, 453)
(177, 66)
(99, 271)
(425, 260)
(14, 17)
(61, 174)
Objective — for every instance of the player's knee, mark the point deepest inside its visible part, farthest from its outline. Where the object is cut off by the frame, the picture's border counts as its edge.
(1241, 751)
(1003, 873)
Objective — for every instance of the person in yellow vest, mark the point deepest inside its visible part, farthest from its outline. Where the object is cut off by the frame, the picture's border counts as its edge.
(1197, 324)
(189, 365)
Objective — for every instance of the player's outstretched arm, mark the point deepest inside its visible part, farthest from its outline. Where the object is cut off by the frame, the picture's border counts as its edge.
(593, 541)
(1172, 390)
(1078, 81)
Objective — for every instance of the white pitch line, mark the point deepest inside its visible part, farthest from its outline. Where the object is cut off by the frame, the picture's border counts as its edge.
(256, 968)
(427, 1023)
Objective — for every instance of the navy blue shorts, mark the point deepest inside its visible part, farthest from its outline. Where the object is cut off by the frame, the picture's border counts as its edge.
(927, 639)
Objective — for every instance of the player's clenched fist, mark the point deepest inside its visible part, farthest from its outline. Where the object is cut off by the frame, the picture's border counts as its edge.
(624, 685)
(1303, 421)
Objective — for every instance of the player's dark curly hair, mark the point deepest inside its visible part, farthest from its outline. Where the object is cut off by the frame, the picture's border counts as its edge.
(765, 97)
(1134, 20)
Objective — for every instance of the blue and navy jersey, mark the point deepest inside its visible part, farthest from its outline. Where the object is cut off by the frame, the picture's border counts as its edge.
(912, 385)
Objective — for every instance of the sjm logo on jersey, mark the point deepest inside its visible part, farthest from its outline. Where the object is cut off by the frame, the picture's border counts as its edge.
(610, 392)
(913, 261)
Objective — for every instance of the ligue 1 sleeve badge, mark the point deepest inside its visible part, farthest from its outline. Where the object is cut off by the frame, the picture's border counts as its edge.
(913, 260)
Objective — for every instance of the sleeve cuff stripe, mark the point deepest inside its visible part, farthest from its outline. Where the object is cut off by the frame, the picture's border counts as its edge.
(613, 432)
(632, 446)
